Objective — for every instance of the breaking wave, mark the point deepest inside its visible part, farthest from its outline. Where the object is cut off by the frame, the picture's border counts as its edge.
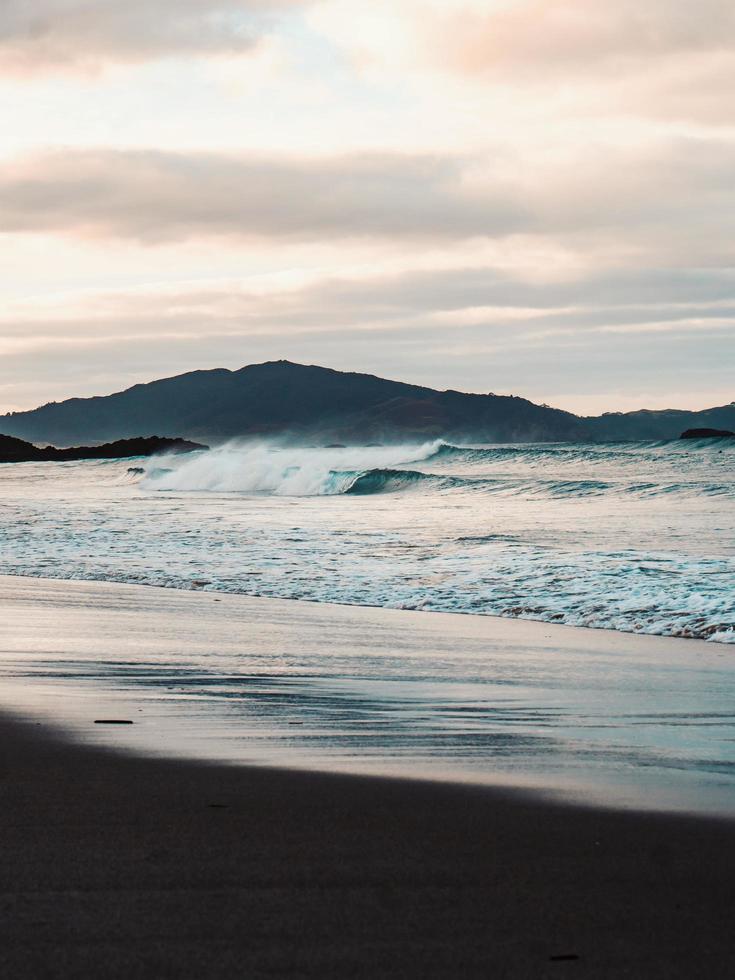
(390, 481)
(554, 471)
(267, 469)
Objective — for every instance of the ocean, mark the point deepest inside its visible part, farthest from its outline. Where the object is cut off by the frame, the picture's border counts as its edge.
(628, 538)
(634, 537)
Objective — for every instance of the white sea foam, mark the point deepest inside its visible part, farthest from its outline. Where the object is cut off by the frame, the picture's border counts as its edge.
(269, 468)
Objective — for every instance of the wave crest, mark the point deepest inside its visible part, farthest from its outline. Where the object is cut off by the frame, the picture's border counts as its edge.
(266, 469)
(554, 470)
(390, 481)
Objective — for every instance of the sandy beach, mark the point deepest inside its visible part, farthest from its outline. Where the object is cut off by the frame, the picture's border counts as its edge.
(120, 863)
(117, 866)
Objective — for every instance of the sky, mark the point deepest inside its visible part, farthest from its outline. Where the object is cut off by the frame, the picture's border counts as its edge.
(528, 197)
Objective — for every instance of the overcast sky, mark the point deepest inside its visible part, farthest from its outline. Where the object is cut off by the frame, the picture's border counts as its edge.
(521, 196)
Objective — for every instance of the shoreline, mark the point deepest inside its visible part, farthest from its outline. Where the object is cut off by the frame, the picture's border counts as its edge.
(121, 866)
(350, 605)
(600, 717)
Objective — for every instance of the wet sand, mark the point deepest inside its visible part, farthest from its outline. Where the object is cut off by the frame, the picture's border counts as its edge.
(118, 863)
(113, 865)
(612, 718)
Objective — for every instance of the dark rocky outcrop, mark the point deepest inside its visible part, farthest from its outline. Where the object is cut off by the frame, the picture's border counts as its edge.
(707, 434)
(14, 450)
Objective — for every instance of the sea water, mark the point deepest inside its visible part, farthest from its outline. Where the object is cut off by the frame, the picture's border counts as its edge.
(629, 538)
(635, 537)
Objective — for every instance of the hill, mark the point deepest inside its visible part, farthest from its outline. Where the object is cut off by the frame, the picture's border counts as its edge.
(296, 401)
(310, 404)
(666, 424)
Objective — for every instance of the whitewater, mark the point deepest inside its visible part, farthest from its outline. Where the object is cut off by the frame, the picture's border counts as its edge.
(636, 537)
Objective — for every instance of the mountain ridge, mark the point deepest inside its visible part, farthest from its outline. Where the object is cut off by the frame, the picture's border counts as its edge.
(307, 403)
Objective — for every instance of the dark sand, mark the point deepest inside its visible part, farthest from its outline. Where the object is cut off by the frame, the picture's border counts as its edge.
(117, 866)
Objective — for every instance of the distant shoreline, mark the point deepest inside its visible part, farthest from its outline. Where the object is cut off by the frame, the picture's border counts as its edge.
(307, 402)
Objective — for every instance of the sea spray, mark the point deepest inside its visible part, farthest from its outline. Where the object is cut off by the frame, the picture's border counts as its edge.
(268, 468)
(543, 471)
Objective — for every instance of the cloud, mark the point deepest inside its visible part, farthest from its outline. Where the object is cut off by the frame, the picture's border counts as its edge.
(665, 59)
(44, 35)
(504, 134)
(635, 333)
(569, 36)
(671, 199)
(160, 196)
(694, 89)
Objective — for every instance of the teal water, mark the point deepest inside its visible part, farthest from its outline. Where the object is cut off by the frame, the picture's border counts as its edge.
(635, 537)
